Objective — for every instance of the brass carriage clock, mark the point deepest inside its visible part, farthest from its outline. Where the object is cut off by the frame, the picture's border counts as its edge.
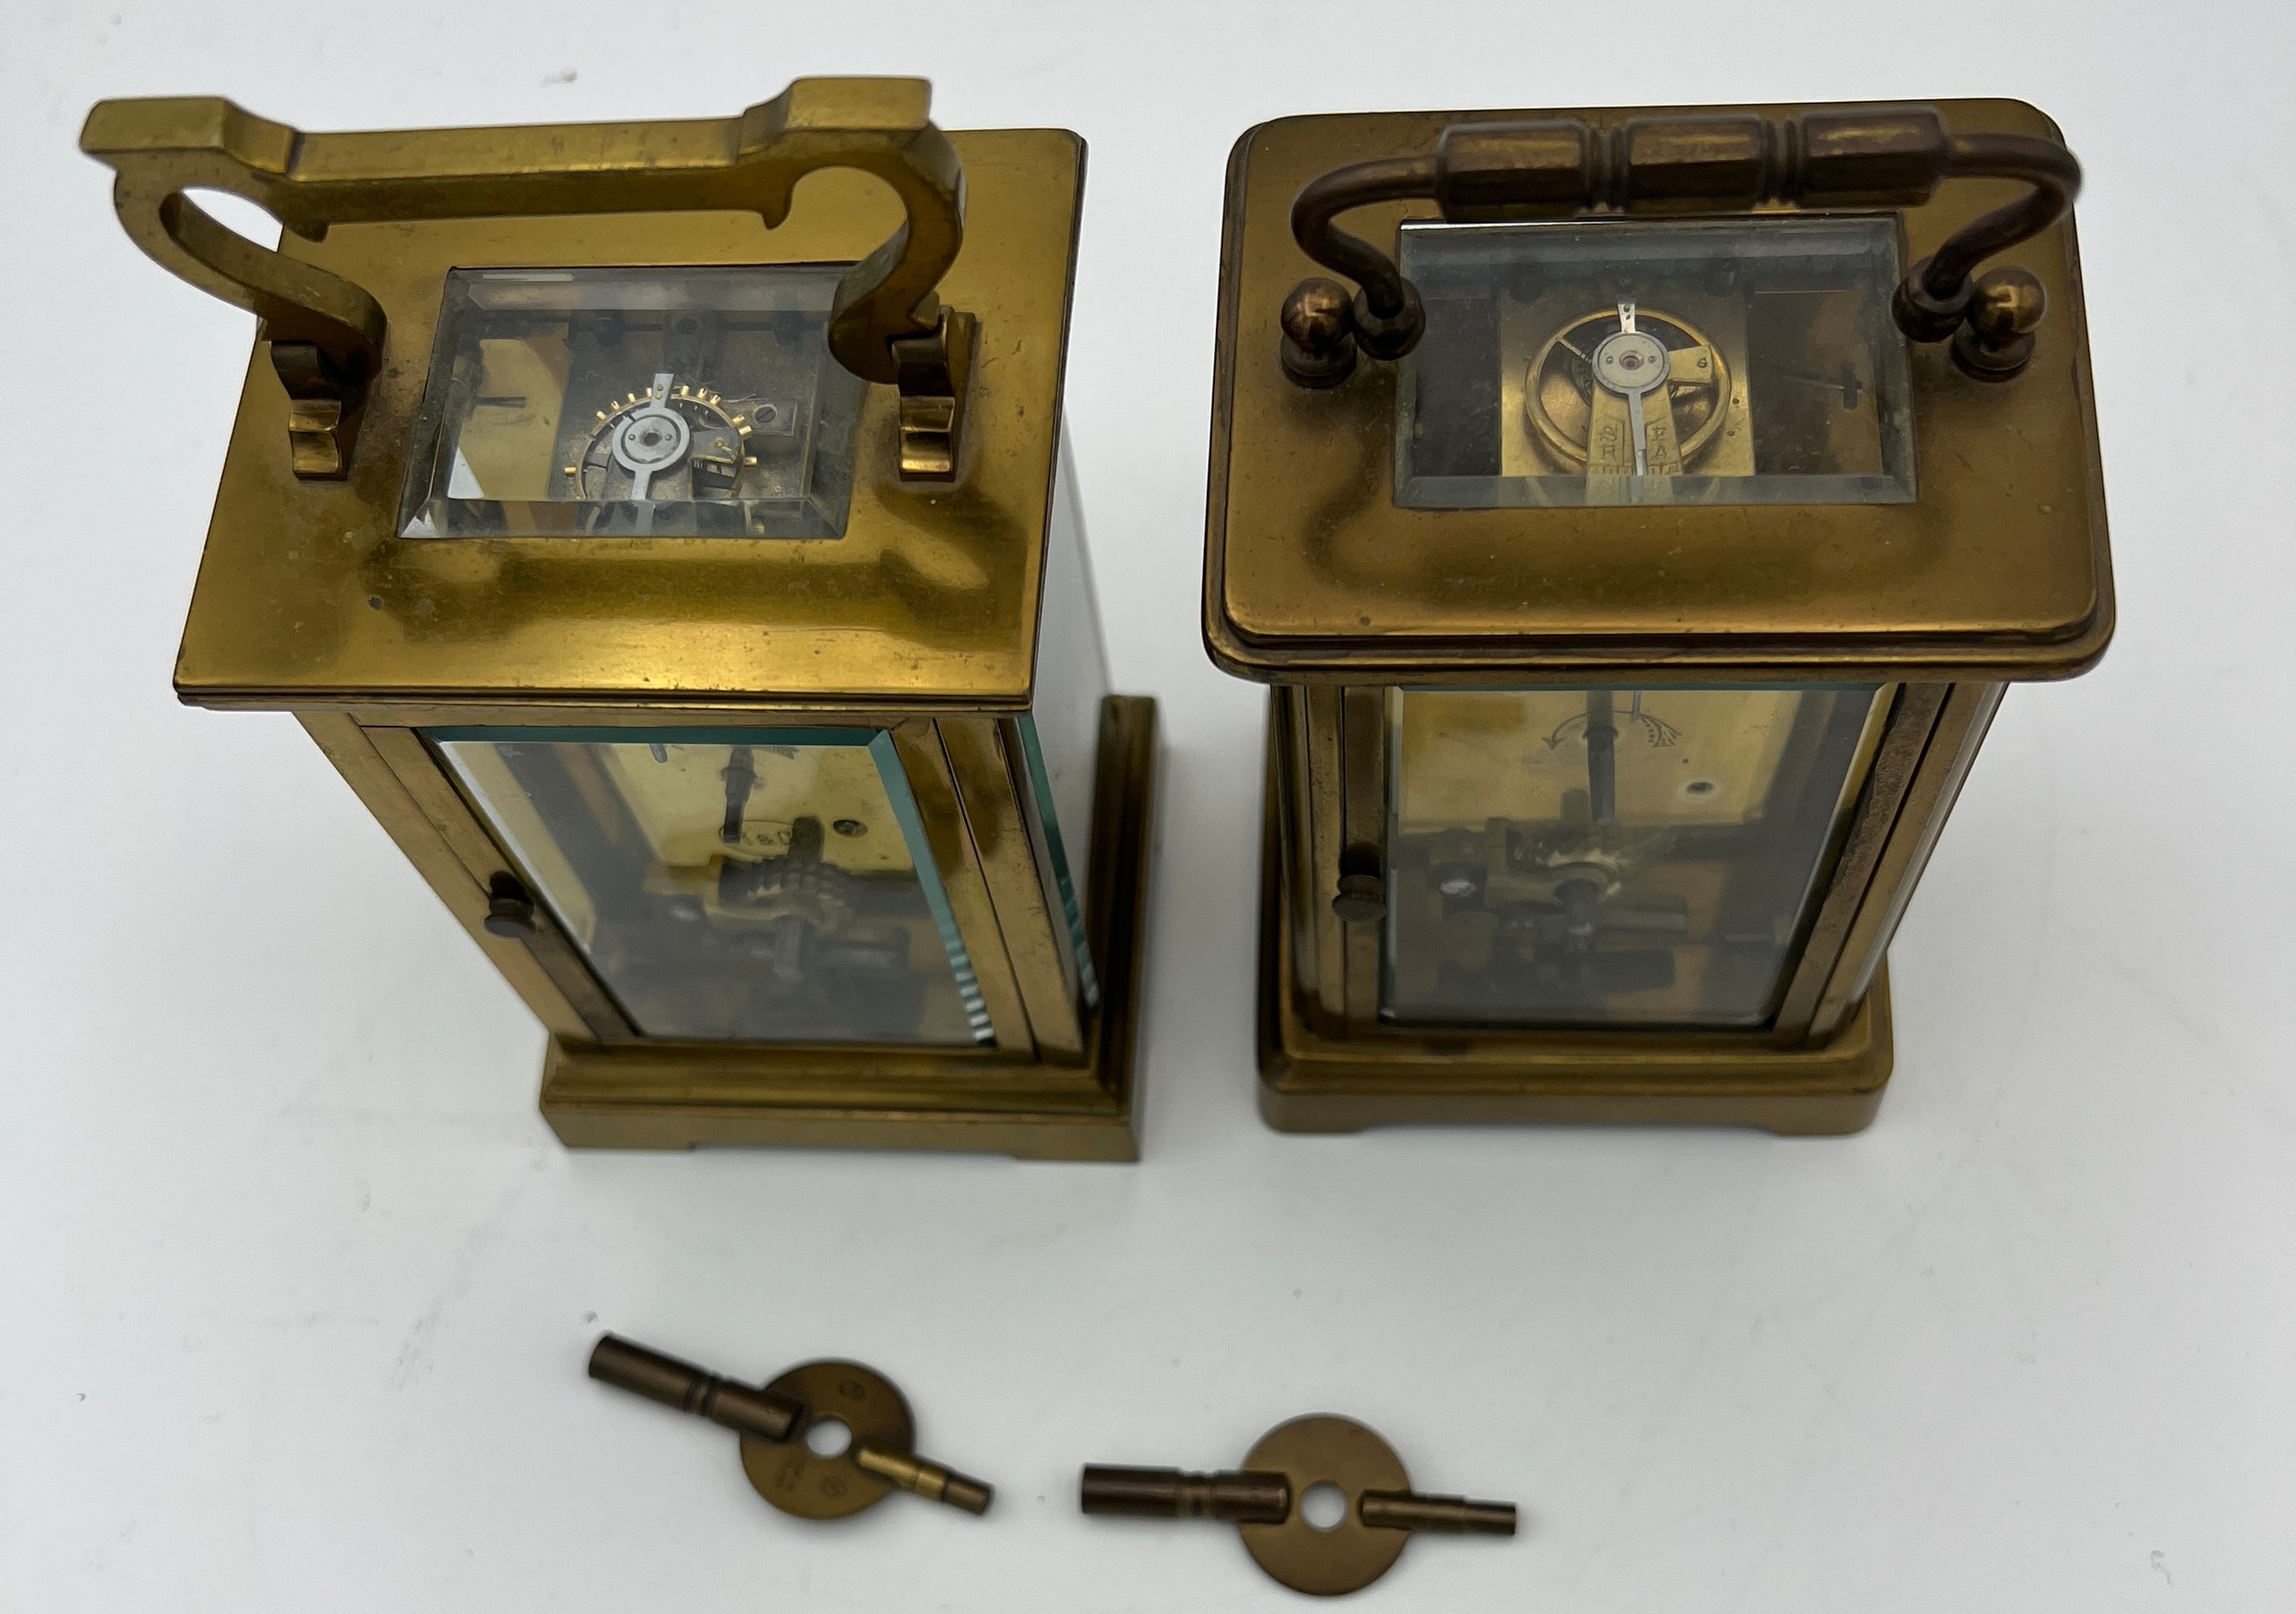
(685, 566)
(1639, 540)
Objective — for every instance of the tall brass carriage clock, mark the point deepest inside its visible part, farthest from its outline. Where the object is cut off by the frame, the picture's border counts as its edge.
(1639, 515)
(683, 565)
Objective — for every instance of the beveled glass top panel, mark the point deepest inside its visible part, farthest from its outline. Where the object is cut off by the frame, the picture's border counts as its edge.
(1618, 361)
(670, 402)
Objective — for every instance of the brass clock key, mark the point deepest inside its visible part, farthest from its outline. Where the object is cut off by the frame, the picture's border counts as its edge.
(789, 1430)
(1268, 1502)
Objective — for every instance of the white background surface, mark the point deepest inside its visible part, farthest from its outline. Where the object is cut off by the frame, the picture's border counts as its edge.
(295, 1285)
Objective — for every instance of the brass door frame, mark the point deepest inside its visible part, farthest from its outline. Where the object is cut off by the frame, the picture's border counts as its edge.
(1964, 716)
(1002, 844)
(977, 824)
(1334, 744)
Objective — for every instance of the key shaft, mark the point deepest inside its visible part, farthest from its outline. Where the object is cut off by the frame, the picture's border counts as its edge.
(743, 1408)
(1235, 1496)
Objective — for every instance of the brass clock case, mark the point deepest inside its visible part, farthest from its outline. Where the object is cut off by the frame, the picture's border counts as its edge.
(585, 476)
(1639, 515)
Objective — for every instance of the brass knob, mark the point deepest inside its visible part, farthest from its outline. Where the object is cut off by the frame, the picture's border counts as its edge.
(510, 908)
(1360, 899)
(1996, 340)
(1361, 896)
(1319, 345)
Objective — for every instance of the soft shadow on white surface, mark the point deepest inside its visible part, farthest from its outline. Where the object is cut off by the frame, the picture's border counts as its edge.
(300, 1287)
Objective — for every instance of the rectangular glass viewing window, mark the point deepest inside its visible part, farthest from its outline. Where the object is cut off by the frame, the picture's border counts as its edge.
(1612, 857)
(1617, 361)
(743, 885)
(682, 402)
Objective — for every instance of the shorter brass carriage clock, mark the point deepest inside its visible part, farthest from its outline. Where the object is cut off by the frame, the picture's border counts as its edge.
(1639, 539)
(685, 567)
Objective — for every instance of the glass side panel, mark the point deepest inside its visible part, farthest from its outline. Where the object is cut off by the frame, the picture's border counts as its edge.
(1625, 362)
(621, 402)
(750, 885)
(1061, 735)
(1612, 857)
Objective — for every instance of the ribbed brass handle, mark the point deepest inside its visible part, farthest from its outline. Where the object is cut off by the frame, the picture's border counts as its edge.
(1864, 156)
(886, 323)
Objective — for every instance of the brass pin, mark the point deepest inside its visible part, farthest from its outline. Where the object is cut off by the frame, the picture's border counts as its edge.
(919, 1478)
(1448, 1515)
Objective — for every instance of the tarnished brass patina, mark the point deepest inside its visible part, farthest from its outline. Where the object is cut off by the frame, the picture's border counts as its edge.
(1266, 1501)
(1633, 623)
(796, 1472)
(703, 609)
